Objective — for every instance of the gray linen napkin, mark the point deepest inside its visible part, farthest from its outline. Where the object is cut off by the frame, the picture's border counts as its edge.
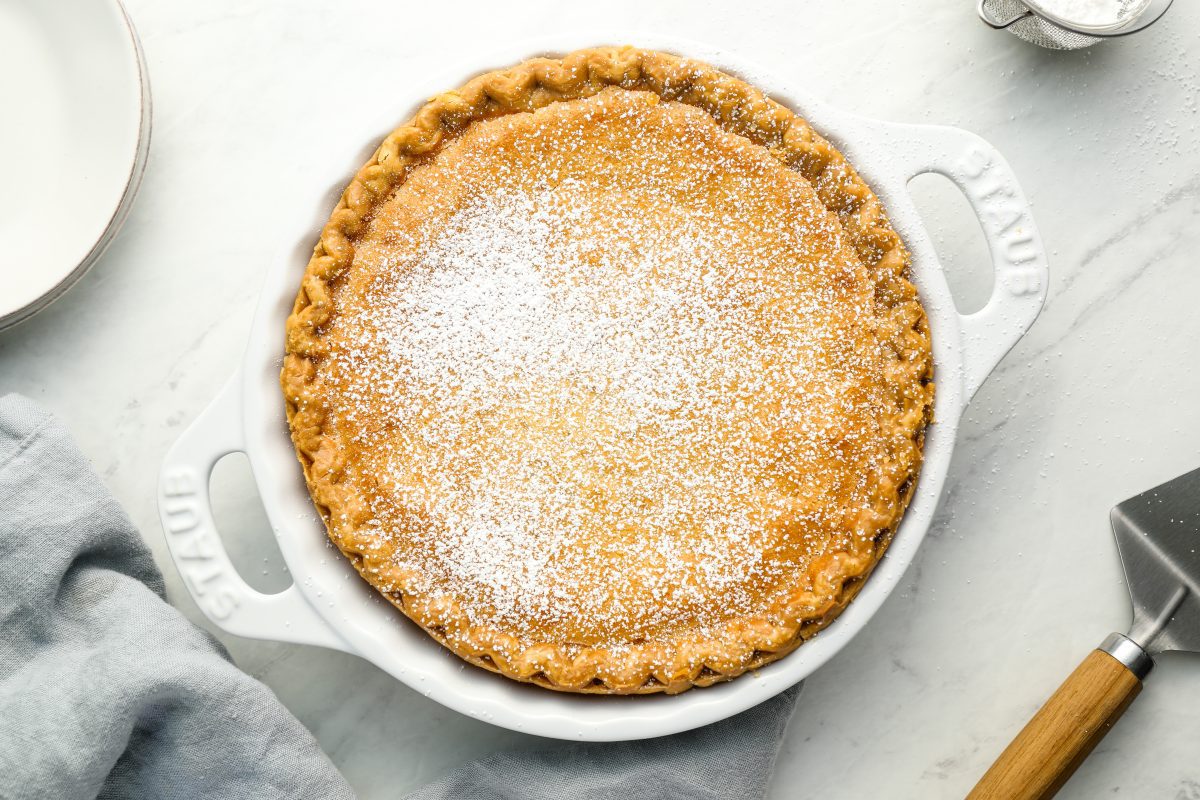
(105, 690)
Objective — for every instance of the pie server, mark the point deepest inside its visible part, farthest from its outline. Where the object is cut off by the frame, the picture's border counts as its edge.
(1158, 537)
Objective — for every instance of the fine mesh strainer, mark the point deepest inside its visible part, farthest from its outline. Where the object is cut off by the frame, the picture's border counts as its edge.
(1071, 24)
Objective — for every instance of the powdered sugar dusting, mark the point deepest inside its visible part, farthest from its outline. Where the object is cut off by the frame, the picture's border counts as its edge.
(625, 387)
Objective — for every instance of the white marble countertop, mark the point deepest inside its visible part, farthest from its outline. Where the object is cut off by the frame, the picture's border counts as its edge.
(1019, 577)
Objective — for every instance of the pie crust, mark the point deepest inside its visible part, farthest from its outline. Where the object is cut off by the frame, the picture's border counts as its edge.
(607, 372)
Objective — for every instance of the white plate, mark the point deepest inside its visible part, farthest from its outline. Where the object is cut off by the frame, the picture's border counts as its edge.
(331, 606)
(73, 143)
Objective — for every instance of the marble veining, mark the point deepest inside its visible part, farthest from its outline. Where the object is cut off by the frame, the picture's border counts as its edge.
(1019, 576)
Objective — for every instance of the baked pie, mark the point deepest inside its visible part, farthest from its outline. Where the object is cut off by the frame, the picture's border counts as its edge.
(606, 371)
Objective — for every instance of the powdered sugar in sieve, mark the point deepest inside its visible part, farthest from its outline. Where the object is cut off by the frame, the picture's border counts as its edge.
(1071, 24)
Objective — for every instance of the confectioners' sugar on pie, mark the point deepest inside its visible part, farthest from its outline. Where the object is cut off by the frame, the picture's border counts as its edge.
(606, 394)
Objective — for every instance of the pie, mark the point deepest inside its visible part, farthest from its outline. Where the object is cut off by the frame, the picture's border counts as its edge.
(607, 372)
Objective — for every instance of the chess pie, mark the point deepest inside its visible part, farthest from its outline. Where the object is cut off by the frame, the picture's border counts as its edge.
(606, 371)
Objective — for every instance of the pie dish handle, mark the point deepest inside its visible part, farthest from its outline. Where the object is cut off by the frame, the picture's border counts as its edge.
(185, 509)
(1018, 257)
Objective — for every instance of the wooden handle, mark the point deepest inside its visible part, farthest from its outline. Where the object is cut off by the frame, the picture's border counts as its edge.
(1059, 737)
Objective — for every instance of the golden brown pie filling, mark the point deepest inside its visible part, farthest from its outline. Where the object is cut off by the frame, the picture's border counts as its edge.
(606, 371)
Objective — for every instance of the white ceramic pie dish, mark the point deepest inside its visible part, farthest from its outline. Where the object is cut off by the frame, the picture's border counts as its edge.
(76, 92)
(331, 606)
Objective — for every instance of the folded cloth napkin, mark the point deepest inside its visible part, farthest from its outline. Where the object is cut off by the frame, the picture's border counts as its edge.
(105, 690)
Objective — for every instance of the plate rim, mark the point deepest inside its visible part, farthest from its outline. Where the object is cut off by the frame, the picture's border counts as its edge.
(124, 205)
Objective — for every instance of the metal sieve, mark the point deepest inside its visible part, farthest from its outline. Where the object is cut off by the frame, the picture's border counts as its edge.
(1042, 23)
